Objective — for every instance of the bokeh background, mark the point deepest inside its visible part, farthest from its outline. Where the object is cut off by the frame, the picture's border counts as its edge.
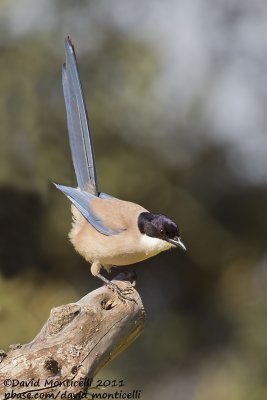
(177, 98)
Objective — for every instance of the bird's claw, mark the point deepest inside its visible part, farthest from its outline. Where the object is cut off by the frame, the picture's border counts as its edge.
(123, 294)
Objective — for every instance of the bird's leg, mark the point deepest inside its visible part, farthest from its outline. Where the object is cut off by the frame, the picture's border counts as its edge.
(95, 270)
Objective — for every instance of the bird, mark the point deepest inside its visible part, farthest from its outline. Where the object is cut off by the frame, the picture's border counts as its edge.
(106, 231)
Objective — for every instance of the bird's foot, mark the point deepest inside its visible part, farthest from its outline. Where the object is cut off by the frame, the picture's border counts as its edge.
(126, 275)
(123, 294)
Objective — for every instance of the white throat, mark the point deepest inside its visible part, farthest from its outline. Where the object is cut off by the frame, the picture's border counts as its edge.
(154, 245)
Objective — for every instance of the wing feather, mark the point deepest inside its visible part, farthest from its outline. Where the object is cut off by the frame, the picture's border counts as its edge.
(82, 200)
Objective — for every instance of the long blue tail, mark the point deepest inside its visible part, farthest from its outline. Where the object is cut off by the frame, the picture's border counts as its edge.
(78, 125)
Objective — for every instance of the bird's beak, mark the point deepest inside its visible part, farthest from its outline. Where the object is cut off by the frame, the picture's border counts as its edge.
(177, 243)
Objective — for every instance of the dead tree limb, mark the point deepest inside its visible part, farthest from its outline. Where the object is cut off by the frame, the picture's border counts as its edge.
(77, 340)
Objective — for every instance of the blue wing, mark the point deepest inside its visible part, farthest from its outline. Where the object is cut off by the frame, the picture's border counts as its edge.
(78, 125)
(103, 195)
(82, 199)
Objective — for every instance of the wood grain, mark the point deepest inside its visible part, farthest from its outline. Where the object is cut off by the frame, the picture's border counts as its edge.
(77, 340)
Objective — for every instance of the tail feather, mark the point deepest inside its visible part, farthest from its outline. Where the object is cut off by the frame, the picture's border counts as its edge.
(78, 125)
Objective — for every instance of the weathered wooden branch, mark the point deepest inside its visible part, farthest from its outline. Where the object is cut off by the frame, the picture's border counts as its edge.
(77, 340)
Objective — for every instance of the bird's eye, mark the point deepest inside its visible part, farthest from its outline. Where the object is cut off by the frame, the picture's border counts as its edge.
(162, 231)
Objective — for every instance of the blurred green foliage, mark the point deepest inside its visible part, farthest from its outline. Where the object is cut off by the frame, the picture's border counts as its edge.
(206, 309)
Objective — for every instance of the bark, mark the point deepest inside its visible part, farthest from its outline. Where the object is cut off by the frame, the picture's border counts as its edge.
(77, 340)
